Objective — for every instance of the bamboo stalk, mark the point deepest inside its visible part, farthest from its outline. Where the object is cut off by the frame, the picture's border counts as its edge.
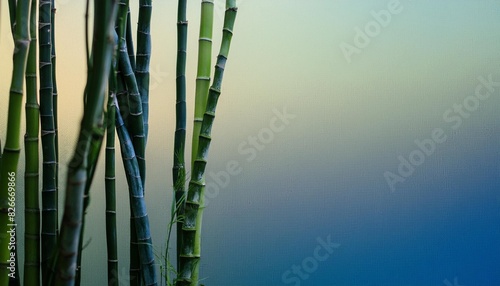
(12, 16)
(130, 40)
(202, 83)
(135, 124)
(49, 184)
(191, 250)
(93, 157)
(31, 176)
(143, 57)
(110, 184)
(179, 168)
(14, 280)
(138, 205)
(135, 118)
(10, 155)
(135, 269)
(54, 100)
(102, 53)
(203, 71)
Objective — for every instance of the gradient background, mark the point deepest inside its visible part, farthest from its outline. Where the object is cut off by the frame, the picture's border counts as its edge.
(323, 174)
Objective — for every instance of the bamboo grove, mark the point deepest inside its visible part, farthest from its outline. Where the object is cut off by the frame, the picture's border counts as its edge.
(115, 112)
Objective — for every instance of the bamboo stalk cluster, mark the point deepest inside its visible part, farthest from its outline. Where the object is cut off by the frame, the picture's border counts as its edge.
(120, 76)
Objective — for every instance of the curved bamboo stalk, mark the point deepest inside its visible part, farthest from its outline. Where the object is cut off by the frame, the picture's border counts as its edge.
(135, 124)
(49, 185)
(135, 118)
(191, 249)
(10, 155)
(143, 57)
(102, 53)
(137, 203)
(135, 268)
(203, 71)
(31, 175)
(179, 165)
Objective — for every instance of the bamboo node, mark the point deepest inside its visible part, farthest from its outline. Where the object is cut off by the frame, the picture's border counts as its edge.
(205, 40)
(228, 30)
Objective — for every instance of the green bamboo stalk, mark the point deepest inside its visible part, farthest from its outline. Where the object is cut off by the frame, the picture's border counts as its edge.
(137, 203)
(191, 250)
(110, 184)
(49, 184)
(202, 83)
(203, 70)
(143, 57)
(31, 175)
(102, 53)
(95, 148)
(10, 155)
(14, 281)
(179, 169)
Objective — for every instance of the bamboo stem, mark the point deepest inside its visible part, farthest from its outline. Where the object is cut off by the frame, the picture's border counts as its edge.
(179, 166)
(110, 184)
(191, 250)
(133, 117)
(31, 175)
(54, 101)
(130, 40)
(10, 155)
(138, 205)
(49, 184)
(203, 70)
(143, 57)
